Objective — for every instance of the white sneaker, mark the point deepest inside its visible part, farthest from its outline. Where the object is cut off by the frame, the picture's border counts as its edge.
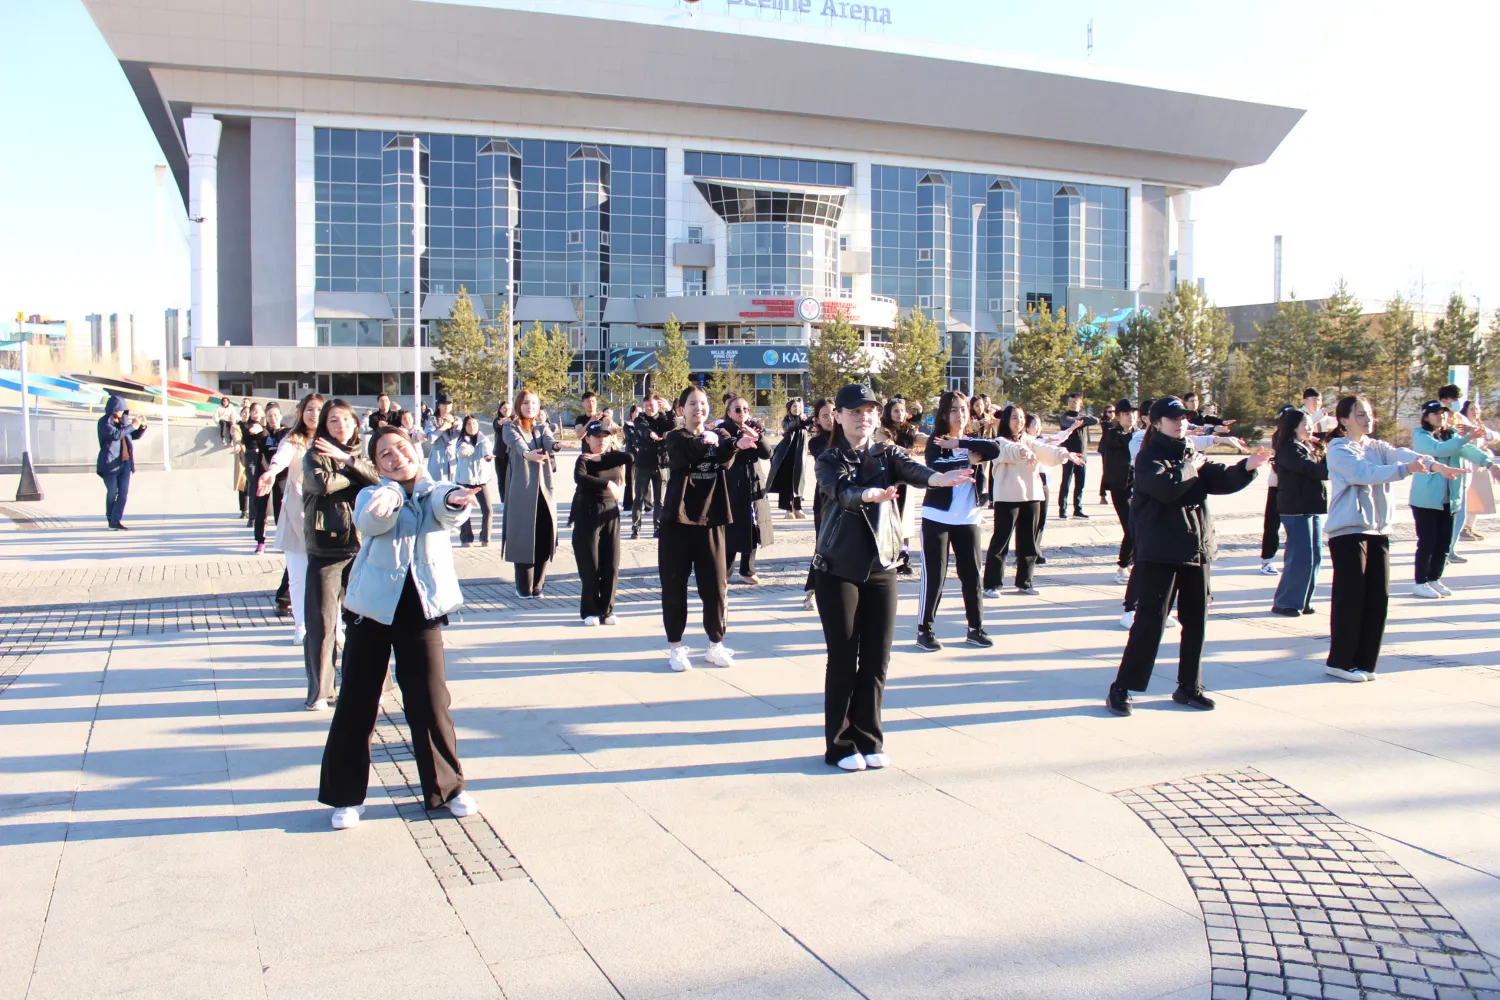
(877, 760)
(1028, 592)
(591, 620)
(991, 592)
(1440, 587)
(1457, 559)
(1127, 619)
(720, 655)
(1122, 576)
(347, 818)
(1266, 569)
(321, 705)
(807, 602)
(853, 762)
(679, 659)
(1353, 676)
(299, 635)
(1170, 623)
(1425, 591)
(611, 620)
(462, 805)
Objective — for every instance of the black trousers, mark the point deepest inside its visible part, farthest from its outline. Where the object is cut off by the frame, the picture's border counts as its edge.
(244, 503)
(937, 538)
(1434, 539)
(529, 576)
(746, 558)
(1270, 531)
(486, 516)
(1119, 496)
(691, 549)
(224, 436)
(322, 599)
(859, 623)
(596, 549)
(277, 492)
(647, 491)
(284, 590)
(258, 507)
(368, 646)
(1077, 474)
(1361, 595)
(1041, 514)
(1155, 584)
(817, 527)
(1019, 519)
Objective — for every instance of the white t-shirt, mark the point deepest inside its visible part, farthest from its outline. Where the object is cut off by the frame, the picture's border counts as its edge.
(961, 508)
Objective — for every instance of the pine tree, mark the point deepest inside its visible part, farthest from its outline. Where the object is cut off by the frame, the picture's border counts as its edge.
(1287, 355)
(1242, 403)
(1202, 335)
(619, 387)
(1041, 361)
(836, 357)
(544, 360)
(1149, 362)
(465, 360)
(989, 368)
(724, 380)
(1088, 352)
(916, 365)
(1393, 376)
(1454, 340)
(777, 398)
(671, 370)
(1349, 352)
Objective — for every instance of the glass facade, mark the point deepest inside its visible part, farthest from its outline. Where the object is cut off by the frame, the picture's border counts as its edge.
(781, 258)
(730, 166)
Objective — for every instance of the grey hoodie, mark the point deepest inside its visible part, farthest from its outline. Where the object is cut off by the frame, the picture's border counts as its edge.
(1359, 478)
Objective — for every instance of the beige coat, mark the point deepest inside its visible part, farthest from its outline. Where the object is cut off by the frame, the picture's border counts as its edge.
(1015, 478)
(289, 529)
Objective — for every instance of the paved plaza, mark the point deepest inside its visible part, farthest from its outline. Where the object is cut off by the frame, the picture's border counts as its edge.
(647, 834)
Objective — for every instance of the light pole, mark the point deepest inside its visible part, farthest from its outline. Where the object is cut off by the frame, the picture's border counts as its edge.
(161, 257)
(28, 488)
(974, 293)
(511, 211)
(418, 245)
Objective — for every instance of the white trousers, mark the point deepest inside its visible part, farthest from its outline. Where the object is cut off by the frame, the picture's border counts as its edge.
(296, 575)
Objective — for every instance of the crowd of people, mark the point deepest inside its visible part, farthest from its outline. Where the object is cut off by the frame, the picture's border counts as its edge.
(365, 508)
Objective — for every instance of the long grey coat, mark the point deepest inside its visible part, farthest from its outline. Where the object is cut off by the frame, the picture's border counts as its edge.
(524, 483)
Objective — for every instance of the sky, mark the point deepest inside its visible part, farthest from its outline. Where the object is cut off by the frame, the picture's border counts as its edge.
(1386, 182)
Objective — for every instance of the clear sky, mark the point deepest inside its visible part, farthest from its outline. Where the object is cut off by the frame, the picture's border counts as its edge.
(1387, 181)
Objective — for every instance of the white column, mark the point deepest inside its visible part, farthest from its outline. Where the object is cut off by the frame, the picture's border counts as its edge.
(307, 231)
(678, 191)
(202, 134)
(1182, 211)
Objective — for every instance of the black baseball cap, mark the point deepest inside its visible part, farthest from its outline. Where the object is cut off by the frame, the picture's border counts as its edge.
(1124, 406)
(1432, 406)
(853, 396)
(596, 428)
(1169, 407)
(443, 397)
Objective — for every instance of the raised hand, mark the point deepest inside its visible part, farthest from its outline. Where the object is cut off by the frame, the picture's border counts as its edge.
(462, 497)
(1076, 458)
(954, 478)
(385, 502)
(328, 449)
(1448, 471)
(1258, 457)
(948, 442)
(877, 495)
(616, 490)
(264, 483)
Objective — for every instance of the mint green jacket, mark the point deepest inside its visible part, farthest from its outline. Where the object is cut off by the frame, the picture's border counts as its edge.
(1430, 490)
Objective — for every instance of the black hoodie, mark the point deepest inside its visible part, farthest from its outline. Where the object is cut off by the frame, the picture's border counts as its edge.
(1169, 517)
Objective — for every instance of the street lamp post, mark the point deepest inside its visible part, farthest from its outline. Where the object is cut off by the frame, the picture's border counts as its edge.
(974, 294)
(510, 300)
(28, 488)
(418, 245)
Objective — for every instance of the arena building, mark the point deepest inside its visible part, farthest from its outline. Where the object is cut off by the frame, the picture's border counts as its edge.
(606, 175)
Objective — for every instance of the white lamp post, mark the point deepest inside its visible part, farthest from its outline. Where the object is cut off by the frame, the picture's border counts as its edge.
(974, 294)
(418, 247)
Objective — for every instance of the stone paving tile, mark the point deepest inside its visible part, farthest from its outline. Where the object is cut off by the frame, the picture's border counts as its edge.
(464, 851)
(1298, 903)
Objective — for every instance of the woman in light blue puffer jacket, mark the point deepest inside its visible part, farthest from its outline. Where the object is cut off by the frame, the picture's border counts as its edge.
(1435, 498)
(401, 589)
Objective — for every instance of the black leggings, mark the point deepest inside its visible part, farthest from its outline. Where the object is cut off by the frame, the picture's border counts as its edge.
(936, 540)
(466, 530)
(1020, 518)
(859, 623)
(1434, 538)
(1155, 584)
(258, 517)
(424, 694)
(1360, 601)
(684, 549)
(1120, 497)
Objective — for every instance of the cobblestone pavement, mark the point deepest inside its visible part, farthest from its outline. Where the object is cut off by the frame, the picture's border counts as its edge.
(1299, 903)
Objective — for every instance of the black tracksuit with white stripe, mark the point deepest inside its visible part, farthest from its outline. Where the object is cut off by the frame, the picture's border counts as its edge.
(951, 518)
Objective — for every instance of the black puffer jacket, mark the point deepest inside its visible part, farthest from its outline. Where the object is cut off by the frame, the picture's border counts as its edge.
(1114, 451)
(1301, 480)
(873, 540)
(329, 489)
(1169, 516)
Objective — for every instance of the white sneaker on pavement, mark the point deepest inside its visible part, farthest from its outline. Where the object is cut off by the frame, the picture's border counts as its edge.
(1122, 576)
(347, 818)
(591, 620)
(1267, 569)
(299, 635)
(720, 655)
(462, 805)
(1127, 619)
(877, 760)
(807, 602)
(679, 659)
(1425, 591)
(991, 592)
(1353, 676)
(321, 705)
(611, 620)
(1440, 587)
(853, 762)
(1171, 622)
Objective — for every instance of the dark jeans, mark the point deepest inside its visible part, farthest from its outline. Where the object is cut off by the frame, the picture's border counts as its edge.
(116, 491)
(224, 435)
(424, 694)
(1434, 539)
(1077, 474)
(936, 539)
(1361, 595)
(1119, 496)
(859, 623)
(1304, 555)
(647, 490)
(1020, 519)
(327, 578)
(486, 513)
(596, 550)
(1270, 530)
(684, 549)
(1154, 587)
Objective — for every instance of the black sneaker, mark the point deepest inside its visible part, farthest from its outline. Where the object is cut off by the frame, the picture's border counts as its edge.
(1286, 612)
(928, 641)
(1118, 701)
(1062, 515)
(1193, 699)
(979, 637)
(1080, 513)
(1041, 560)
(1309, 611)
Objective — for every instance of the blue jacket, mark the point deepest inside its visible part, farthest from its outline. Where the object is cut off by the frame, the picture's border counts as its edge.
(442, 455)
(111, 438)
(477, 468)
(1430, 490)
(412, 540)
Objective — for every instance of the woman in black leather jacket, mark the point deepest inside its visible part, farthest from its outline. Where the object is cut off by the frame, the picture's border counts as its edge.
(858, 549)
